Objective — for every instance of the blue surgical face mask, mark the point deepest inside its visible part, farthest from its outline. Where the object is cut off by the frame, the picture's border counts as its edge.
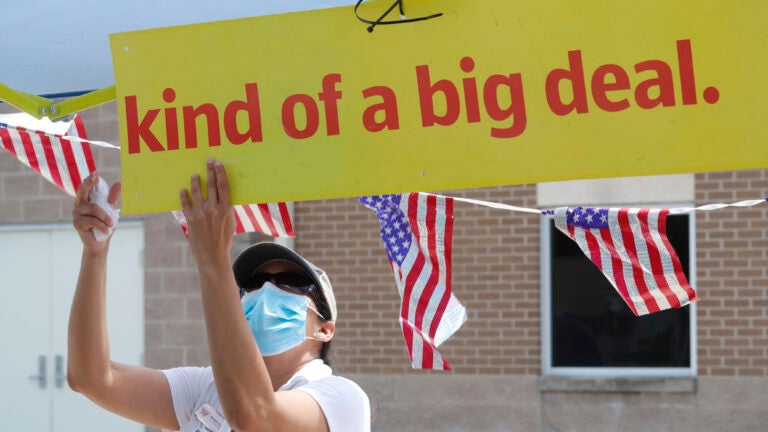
(278, 319)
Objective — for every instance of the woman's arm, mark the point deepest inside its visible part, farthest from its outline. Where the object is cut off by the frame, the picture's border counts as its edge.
(138, 393)
(242, 379)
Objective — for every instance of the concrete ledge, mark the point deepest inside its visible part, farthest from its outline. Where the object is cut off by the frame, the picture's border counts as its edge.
(617, 385)
(446, 402)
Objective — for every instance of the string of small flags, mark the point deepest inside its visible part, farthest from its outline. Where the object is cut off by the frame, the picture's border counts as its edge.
(629, 245)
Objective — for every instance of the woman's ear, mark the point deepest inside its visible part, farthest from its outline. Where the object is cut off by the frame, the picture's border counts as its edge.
(325, 331)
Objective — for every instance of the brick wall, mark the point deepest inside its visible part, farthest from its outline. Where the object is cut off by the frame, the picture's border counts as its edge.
(495, 275)
(732, 265)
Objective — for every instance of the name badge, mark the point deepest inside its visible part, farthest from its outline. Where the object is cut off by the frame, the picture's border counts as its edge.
(212, 420)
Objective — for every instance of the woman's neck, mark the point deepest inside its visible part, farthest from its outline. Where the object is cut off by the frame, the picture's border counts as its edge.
(283, 366)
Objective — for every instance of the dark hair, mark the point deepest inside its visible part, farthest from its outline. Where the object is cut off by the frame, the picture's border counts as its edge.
(325, 316)
(324, 353)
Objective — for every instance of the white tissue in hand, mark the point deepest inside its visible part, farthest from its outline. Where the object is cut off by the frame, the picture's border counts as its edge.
(98, 196)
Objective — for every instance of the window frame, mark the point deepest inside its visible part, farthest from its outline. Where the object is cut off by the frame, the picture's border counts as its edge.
(545, 257)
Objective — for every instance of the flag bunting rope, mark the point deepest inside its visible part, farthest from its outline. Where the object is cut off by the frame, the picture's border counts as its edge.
(629, 245)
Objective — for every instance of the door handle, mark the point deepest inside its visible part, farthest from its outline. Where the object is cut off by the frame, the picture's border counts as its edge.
(59, 374)
(42, 375)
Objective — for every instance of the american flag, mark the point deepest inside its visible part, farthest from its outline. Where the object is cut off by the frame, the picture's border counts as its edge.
(417, 230)
(273, 219)
(58, 160)
(631, 248)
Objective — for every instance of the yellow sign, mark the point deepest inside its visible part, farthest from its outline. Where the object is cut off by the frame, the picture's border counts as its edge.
(310, 105)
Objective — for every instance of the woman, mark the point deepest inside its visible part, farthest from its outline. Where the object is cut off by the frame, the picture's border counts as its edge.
(266, 369)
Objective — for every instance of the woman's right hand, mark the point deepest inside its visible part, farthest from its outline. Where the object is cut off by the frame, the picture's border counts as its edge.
(87, 216)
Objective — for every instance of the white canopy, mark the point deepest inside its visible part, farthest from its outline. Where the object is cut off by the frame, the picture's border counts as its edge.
(54, 47)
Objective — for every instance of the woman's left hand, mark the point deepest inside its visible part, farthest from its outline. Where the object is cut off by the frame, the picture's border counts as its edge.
(210, 220)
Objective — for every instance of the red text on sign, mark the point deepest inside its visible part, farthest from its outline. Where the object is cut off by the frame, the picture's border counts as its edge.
(329, 96)
(496, 88)
(140, 129)
(609, 84)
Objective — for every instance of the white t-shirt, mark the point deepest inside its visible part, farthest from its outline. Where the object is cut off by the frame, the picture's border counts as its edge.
(344, 404)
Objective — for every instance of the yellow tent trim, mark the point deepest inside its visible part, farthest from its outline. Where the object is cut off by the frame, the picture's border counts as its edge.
(39, 107)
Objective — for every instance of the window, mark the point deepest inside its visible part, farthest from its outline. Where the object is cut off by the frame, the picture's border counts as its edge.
(588, 330)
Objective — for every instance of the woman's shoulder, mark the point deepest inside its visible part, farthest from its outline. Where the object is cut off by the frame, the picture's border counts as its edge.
(344, 403)
(189, 379)
(337, 391)
(340, 383)
(189, 373)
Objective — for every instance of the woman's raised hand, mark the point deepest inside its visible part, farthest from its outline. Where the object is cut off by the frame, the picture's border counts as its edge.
(87, 216)
(210, 220)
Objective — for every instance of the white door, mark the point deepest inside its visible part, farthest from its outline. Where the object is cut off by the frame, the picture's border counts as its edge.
(38, 273)
(24, 321)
